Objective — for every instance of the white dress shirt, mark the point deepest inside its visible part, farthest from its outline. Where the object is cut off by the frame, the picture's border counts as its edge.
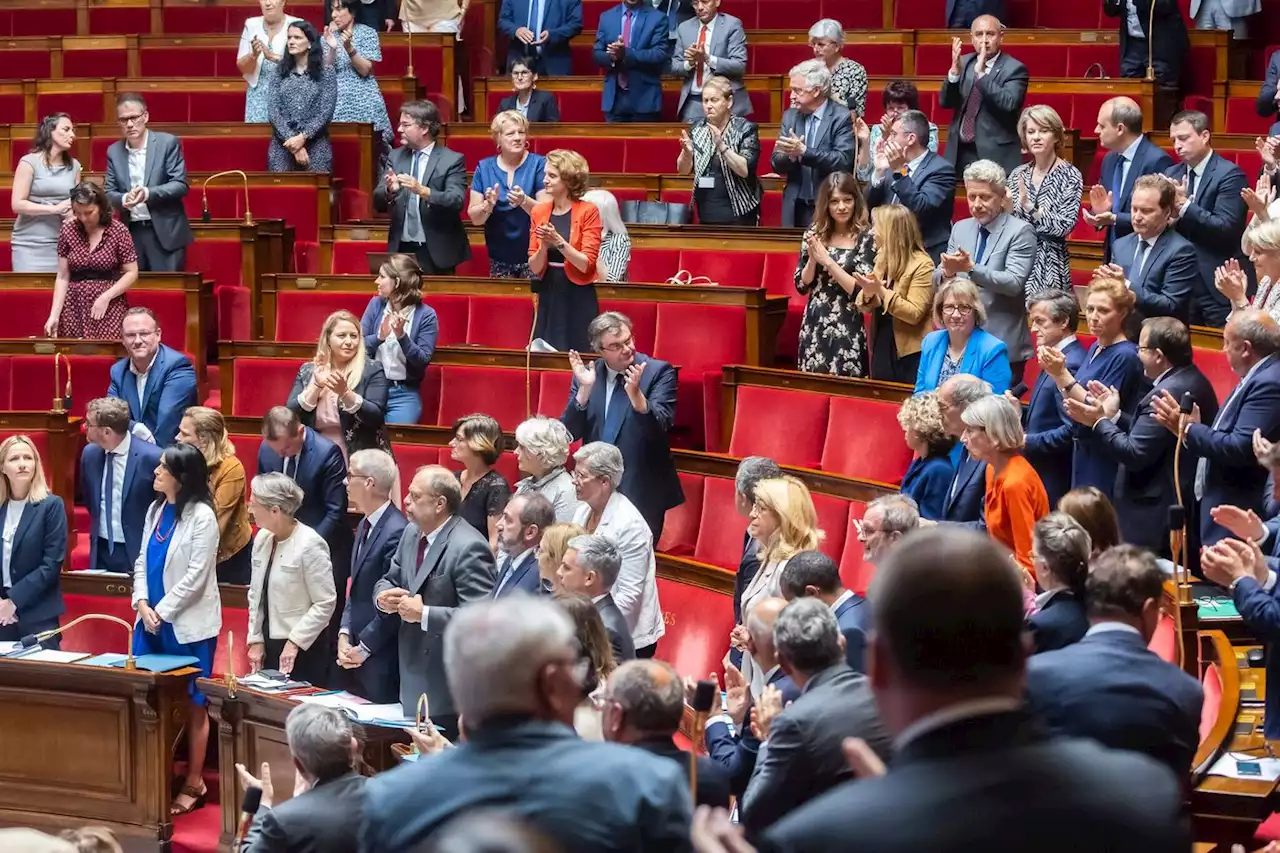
(1198, 171)
(390, 353)
(141, 376)
(13, 515)
(694, 88)
(1133, 22)
(112, 529)
(138, 174)
(844, 596)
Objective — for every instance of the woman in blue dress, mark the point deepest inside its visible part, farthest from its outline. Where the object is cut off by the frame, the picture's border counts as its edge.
(1113, 362)
(504, 189)
(353, 49)
(175, 591)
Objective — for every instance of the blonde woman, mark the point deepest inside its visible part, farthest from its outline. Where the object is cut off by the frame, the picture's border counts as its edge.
(783, 523)
(929, 475)
(1046, 192)
(204, 429)
(341, 393)
(564, 245)
(555, 541)
(614, 261)
(897, 294)
(477, 444)
(34, 526)
(400, 332)
(1261, 242)
(504, 189)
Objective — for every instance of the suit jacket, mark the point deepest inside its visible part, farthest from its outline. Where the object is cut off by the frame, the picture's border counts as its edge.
(165, 177)
(927, 481)
(984, 7)
(524, 576)
(802, 758)
(853, 615)
(929, 193)
(363, 429)
(35, 563)
(1048, 429)
(644, 61)
(1144, 450)
(635, 591)
(832, 151)
(561, 21)
(713, 779)
(378, 678)
(1001, 276)
(418, 343)
(457, 569)
(1110, 687)
(995, 782)
(737, 751)
(191, 603)
(1270, 84)
(543, 773)
(649, 478)
(1261, 614)
(171, 388)
(136, 497)
(728, 47)
(1214, 222)
(301, 592)
(985, 356)
(615, 625)
(1002, 92)
(1233, 475)
(325, 819)
(1172, 44)
(966, 501)
(446, 176)
(1059, 623)
(321, 474)
(1148, 159)
(542, 105)
(1169, 278)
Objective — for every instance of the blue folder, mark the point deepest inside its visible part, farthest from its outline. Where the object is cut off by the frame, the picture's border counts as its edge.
(161, 663)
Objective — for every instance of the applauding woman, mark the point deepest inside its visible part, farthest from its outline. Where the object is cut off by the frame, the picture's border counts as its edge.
(504, 189)
(720, 151)
(564, 244)
(204, 429)
(960, 344)
(175, 591)
(1046, 193)
(897, 294)
(400, 333)
(353, 49)
(262, 43)
(301, 104)
(31, 563)
(1261, 242)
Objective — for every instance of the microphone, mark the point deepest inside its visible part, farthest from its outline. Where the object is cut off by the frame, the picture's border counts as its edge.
(248, 809)
(703, 695)
(1019, 389)
(1187, 402)
(35, 639)
(1177, 517)
(205, 216)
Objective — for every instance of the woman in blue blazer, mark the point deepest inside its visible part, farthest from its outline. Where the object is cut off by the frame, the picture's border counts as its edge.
(929, 475)
(960, 345)
(400, 333)
(34, 527)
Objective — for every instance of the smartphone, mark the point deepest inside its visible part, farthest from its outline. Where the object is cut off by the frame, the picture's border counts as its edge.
(1248, 768)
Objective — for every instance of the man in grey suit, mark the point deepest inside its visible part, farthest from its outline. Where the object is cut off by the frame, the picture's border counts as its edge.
(986, 89)
(802, 757)
(424, 189)
(816, 140)
(442, 563)
(995, 251)
(146, 181)
(590, 567)
(710, 44)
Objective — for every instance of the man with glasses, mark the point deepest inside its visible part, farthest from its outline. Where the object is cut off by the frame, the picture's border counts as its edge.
(908, 173)
(628, 399)
(816, 139)
(157, 381)
(146, 181)
(116, 476)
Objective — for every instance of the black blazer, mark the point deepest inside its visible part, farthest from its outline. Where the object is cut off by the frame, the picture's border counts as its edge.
(1002, 91)
(446, 176)
(1061, 622)
(366, 427)
(713, 779)
(378, 678)
(968, 500)
(1214, 222)
(322, 474)
(543, 106)
(1173, 42)
(615, 625)
(930, 194)
(325, 819)
(1169, 280)
(35, 564)
(832, 151)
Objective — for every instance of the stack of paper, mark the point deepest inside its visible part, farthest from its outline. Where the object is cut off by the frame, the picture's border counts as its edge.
(260, 682)
(55, 656)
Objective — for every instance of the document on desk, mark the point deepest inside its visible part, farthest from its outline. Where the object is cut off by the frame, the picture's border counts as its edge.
(1229, 766)
(55, 656)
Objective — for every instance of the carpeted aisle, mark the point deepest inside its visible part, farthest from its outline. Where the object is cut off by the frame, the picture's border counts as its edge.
(198, 832)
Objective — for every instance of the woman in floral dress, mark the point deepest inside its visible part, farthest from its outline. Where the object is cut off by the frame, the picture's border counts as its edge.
(303, 96)
(353, 49)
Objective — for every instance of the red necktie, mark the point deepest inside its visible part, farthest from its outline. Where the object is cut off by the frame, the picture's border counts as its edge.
(626, 42)
(969, 116)
(702, 39)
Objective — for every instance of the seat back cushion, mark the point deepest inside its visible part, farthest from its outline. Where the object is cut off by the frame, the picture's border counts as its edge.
(787, 426)
(864, 440)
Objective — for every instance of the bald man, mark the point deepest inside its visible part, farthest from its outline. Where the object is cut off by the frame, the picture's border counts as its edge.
(986, 90)
(1129, 156)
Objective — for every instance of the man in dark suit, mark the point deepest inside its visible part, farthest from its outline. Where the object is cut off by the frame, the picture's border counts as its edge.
(966, 499)
(962, 13)
(986, 91)
(643, 707)
(442, 563)
(1168, 42)
(1109, 686)
(424, 189)
(816, 139)
(812, 574)
(1226, 470)
(367, 649)
(323, 817)
(633, 49)
(538, 31)
(512, 667)
(157, 381)
(971, 769)
(520, 527)
(802, 757)
(590, 567)
(1054, 318)
(1269, 93)
(908, 173)
(1142, 448)
(1208, 210)
(628, 399)
(146, 181)
(1130, 155)
(116, 476)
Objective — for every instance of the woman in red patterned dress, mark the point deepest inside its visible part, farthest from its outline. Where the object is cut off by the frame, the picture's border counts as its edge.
(96, 265)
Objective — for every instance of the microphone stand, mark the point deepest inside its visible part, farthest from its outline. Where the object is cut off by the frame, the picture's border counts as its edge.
(1178, 530)
(1151, 23)
(35, 639)
(204, 195)
(61, 404)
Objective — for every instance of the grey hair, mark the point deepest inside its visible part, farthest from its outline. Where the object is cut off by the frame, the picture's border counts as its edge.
(375, 464)
(1258, 328)
(1263, 236)
(276, 491)
(602, 460)
(1128, 112)
(808, 636)
(320, 740)
(917, 123)
(967, 389)
(815, 73)
(651, 693)
(546, 438)
(608, 323)
(1062, 307)
(901, 513)
(610, 217)
(829, 29)
(443, 483)
(752, 470)
(986, 172)
(1000, 418)
(598, 554)
(493, 651)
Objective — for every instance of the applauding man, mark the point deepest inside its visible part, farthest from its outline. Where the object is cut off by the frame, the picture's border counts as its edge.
(816, 140)
(986, 90)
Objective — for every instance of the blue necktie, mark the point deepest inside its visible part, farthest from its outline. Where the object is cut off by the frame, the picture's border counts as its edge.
(614, 410)
(1117, 183)
(983, 234)
(502, 578)
(110, 500)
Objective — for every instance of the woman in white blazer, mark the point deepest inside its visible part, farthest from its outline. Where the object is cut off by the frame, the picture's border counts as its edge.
(607, 512)
(291, 593)
(175, 591)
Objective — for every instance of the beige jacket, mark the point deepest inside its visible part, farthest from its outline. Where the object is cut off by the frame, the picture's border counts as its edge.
(910, 303)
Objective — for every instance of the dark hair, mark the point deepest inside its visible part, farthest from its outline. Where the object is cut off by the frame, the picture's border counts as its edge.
(1062, 307)
(350, 5)
(538, 511)
(1199, 121)
(187, 465)
(1122, 580)
(315, 56)
(424, 114)
(1165, 189)
(901, 92)
(87, 192)
(806, 569)
(131, 98)
(593, 638)
(1172, 337)
(841, 182)
(280, 421)
(528, 64)
(42, 142)
(135, 310)
(1090, 506)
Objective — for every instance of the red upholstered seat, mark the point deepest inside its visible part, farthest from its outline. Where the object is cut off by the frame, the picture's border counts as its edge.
(6, 381)
(500, 321)
(119, 20)
(833, 519)
(411, 457)
(1082, 57)
(643, 317)
(591, 11)
(170, 308)
(698, 622)
(771, 209)
(261, 383)
(85, 106)
(700, 339)
(506, 465)
(96, 636)
(350, 257)
(1243, 118)
(179, 61)
(1164, 642)
(38, 438)
(216, 260)
(787, 426)
(721, 529)
(428, 63)
(649, 265)
(1213, 364)
(24, 313)
(17, 64)
(478, 264)
(865, 441)
(300, 313)
(452, 311)
(496, 391)
(680, 529)
(1070, 16)
(581, 107)
(215, 153)
(1212, 684)
(784, 14)
(247, 452)
(778, 277)
(854, 571)
(553, 391)
(728, 268)
(677, 196)
(236, 621)
(1048, 60)
(657, 155)
(472, 148)
(32, 387)
(12, 111)
(50, 22)
(95, 63)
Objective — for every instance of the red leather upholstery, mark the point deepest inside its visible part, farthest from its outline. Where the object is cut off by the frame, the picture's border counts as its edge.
(411, 457)
(216, 260)
(261, 383)
(50, 22)
(683, 340)
(496, 391)
(643, 317)
(698, 622)
(247, 452)
(452, 311)
(96, 636)
(1164, 642)
(33, 381)
(833, 520)
(16, 64)
(854, 571)
(24, 313)
(728, 268)
(720, 533)
(1212, 684)
(478, 264)
(864, 440)
(85, 106)
(553, 391)
(235, 620)
(680, 528)
(300, 314)
(506, 464)
(787, 426)
(170, 308)
(119, 20)
(653, 265)
(1217, 370)
(1243, 118)
(350, 257)
(500, 321)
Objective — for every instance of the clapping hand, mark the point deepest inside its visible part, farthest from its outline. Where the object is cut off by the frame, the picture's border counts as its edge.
(817, 251)
(631, 384)
(1108, 397)
(1266, 148)
(738, 637)
(1242, 523)
(980, 67)
(1110, 271)
(490, 199)
(957, 51)
(1258, 199)
(1024, 195)
(954, 264)
(8, 612)
(263, 783)
(337, 383)
(515, 196)
(717, 137)
(392, 181)
(388, 600)
(767, 708)
(320, 373)
(737, 695)
(870, 284)
(549, 236)
(1231, 282)
(1261, 446)
(1181, 194)
(1230, 559)
(895, 156)
(1052, 361)
(1099, 213)
(695, 55)
(411, 608)
(1167, 412)
(396, 325)
(616, 50)
(585, 375)
(860, 129)
(409, 182)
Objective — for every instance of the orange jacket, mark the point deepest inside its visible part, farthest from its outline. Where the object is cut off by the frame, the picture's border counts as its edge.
(584, 235)
(1016, 500)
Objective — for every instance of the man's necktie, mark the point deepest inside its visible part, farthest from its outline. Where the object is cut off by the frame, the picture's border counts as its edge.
(626, 43)
(413, 212)
(983, 234)
(969, 118)
(503, 576)
(1117, 182)
(702, 40)
(1139, 260)
(807, 190)
(614, 410)
(1191, 183)
(109, 497)
(289, 467)
(362, 535)
(422, 551)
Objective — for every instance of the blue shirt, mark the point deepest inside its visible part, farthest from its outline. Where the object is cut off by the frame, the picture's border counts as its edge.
(506, 233)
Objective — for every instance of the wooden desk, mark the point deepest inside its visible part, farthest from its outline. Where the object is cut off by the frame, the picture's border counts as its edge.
(90, 745)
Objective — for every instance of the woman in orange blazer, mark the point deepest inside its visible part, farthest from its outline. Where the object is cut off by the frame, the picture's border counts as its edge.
(1016, 498)
(564, 242)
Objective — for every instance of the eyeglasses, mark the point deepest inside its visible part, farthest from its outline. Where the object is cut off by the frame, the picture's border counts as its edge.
(961, 310)
(620, 345)
(139, 336)
(521, 73)
(580, 476)
(125, 121)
